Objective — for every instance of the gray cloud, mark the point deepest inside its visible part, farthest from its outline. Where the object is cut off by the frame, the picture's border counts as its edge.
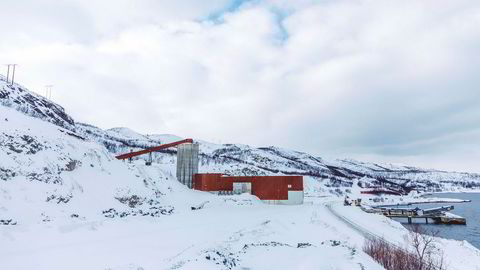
(379, 80)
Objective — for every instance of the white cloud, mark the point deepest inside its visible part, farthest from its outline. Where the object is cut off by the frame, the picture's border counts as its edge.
(387, 80)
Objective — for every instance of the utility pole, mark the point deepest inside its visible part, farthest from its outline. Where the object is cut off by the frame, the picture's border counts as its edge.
(13, 73)
(8, 71)
(48, 92)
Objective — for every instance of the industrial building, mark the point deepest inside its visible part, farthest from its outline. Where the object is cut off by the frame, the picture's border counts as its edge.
(270, 189)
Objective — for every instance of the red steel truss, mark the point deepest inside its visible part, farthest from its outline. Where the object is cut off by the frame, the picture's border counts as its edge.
(152, 149)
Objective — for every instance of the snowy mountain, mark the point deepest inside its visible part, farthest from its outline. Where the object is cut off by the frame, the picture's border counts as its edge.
(51, 170)
(236, 159)
(42, 147)
(75, 206)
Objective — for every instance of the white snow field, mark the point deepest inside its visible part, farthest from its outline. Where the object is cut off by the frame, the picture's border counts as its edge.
(239, 233)
(101, 213)
(67, 203)
(236, 232)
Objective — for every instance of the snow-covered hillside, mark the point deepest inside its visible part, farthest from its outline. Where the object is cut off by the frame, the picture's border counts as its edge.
(237, 159)
(21, 99)
(49, 162)
(67, 203)
(48, 172)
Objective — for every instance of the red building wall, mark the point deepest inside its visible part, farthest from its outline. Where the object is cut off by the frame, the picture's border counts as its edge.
(264, 187)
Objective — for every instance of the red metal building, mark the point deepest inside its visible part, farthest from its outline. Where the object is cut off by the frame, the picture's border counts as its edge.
(271, 189)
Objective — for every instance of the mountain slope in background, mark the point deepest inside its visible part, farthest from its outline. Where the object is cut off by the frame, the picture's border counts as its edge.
(237, 159)
(54, 166)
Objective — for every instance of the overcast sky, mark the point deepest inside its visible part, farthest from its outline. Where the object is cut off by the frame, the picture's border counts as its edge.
(390, 81)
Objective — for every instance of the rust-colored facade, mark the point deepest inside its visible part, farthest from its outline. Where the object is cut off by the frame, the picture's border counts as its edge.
(264, 187)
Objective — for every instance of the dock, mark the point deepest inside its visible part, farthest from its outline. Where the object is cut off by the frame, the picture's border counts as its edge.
(438, 215)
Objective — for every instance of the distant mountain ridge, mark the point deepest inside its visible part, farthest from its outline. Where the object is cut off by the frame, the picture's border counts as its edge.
(236, 159)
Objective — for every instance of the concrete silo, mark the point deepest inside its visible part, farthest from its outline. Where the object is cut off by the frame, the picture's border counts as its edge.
(187, 163)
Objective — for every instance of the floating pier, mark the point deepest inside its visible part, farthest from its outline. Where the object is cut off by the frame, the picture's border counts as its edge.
(438, 215)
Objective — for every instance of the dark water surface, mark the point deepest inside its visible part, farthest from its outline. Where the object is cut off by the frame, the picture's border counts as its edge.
(470, 211)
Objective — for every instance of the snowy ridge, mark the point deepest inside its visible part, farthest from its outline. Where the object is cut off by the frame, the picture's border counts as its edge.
(34, 152)
(237, 159)
(52, 174)
(49, 173)
(67, 203)
(21, 99)
(57, 159)
(120, 140)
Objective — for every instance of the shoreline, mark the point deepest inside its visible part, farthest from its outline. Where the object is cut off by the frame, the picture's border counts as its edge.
(413, 201)
(426, 202)
(473, 191)
(442, 201)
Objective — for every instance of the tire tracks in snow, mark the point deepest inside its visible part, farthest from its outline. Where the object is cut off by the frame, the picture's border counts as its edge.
(359, 229)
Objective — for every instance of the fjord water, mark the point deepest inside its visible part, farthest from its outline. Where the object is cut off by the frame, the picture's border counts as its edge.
(469, 210)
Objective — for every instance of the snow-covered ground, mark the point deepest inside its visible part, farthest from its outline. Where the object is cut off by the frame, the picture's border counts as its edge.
(237, 233)
(67, 203)
(71, 205)
(234, 232)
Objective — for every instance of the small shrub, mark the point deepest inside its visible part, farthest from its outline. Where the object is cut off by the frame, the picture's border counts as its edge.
(392, 257)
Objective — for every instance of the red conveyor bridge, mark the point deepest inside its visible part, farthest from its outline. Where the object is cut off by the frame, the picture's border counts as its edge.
(152, 149)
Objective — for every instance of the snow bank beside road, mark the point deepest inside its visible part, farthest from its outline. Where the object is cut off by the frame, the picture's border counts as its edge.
(228, 236)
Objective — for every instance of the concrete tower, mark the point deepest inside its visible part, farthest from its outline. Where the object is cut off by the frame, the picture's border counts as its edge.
(187, 163)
